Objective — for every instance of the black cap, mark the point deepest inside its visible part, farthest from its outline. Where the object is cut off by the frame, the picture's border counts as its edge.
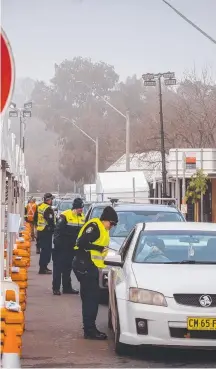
(78, 203)
(48, 196)
(109, 214)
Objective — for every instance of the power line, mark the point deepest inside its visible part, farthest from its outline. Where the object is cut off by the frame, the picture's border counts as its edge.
(190, 22)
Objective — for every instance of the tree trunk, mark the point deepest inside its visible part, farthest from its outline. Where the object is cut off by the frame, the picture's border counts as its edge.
(196, 211)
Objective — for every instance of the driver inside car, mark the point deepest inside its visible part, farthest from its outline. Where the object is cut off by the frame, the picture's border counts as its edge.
(153, 251)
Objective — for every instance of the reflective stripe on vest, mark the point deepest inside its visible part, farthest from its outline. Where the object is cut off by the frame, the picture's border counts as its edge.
(74, 220)
(103, 241)
(42, 223)
(31, 209)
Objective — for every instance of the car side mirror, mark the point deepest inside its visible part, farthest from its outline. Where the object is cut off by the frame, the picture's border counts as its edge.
(114, 260)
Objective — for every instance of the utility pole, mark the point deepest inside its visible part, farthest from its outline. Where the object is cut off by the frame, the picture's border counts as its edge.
(127, 142)
(169, 80)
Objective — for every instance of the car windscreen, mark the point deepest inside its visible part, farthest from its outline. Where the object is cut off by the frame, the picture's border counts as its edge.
(96, 212)
(128, 219)
(86, 208)
(176, 247)
(65, 205)
(55, 202)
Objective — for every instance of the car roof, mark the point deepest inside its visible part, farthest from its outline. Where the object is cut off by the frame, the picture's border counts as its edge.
(135, 206)
(101, 204)
(179, 226)
(147, 207)
(67, 200)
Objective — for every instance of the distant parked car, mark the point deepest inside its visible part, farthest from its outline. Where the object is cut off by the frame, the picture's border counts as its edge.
(86, 207)
(64, 205)
(129, 215)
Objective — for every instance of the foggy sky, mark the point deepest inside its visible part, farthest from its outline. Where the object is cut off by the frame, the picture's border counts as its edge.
(136, 36)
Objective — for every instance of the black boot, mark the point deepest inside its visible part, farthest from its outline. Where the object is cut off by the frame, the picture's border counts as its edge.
(94, 334)
(70, 291)
(56, 293)
(44, 271)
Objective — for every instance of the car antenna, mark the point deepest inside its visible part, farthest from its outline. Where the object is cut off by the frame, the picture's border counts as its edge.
(113, 201)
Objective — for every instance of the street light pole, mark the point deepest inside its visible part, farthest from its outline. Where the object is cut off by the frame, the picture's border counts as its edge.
(91, 139)
(163, 152)
(96, 159)
(21, 113)
(169, 80)
(127, 118)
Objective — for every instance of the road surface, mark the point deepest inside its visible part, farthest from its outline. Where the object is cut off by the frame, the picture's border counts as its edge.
(53, 336)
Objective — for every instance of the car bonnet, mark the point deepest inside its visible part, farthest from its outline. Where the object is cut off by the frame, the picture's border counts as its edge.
(169, 279)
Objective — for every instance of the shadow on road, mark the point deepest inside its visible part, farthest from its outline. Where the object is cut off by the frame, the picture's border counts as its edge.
(171, 357)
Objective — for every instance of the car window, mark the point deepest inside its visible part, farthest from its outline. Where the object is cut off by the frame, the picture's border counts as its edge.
(86, 208)
(96, 212)
(176, 247)
(128, 219)
(126, 244)
(65, 205)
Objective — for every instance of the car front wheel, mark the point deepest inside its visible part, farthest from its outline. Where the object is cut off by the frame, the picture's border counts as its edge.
(120, 348)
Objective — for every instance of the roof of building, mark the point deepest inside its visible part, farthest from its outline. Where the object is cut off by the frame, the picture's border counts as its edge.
(122, 181)
(148, 162)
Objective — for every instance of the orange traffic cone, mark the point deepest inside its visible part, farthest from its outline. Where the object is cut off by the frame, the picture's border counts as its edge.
(10, 357)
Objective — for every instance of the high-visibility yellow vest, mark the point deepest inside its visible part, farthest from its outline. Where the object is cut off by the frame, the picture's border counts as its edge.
(73, 220)
(42, 223)
(103, 241)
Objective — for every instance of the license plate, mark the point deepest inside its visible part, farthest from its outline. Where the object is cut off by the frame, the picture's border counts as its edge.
(201, 324)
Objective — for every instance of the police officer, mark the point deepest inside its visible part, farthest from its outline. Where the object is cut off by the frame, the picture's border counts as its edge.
(91, 249)
(65, 235)
(45, 228)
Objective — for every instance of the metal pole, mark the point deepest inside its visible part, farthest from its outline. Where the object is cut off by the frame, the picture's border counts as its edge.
(163, 152)
(134, 190)
(201, 200)
(9, 211)
(127, 142)
(96, 159)
(2, 210)
(183, 177)
(177, 182)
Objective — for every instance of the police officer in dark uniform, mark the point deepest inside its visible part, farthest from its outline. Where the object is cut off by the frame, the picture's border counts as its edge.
(65, 235)
(91, 249)
(45, 228)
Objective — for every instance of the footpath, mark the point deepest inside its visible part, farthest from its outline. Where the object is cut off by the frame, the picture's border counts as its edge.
(53, 336)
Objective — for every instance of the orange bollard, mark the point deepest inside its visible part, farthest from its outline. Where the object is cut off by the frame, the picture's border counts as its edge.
(11, 350)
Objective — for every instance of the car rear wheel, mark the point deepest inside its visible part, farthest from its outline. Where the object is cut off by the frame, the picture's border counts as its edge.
(120, 348)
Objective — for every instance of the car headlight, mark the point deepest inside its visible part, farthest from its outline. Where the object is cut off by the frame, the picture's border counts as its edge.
(147, 297)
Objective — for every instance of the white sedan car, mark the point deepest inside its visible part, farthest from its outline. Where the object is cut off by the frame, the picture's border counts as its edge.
(162, 286)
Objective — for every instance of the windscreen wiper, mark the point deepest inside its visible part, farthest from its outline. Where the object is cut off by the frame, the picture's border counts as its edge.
(192, 262)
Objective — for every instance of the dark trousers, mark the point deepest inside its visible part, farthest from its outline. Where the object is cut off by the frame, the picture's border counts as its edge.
(37, 242)
(44, 241)
(90, 294)
(62, 267)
